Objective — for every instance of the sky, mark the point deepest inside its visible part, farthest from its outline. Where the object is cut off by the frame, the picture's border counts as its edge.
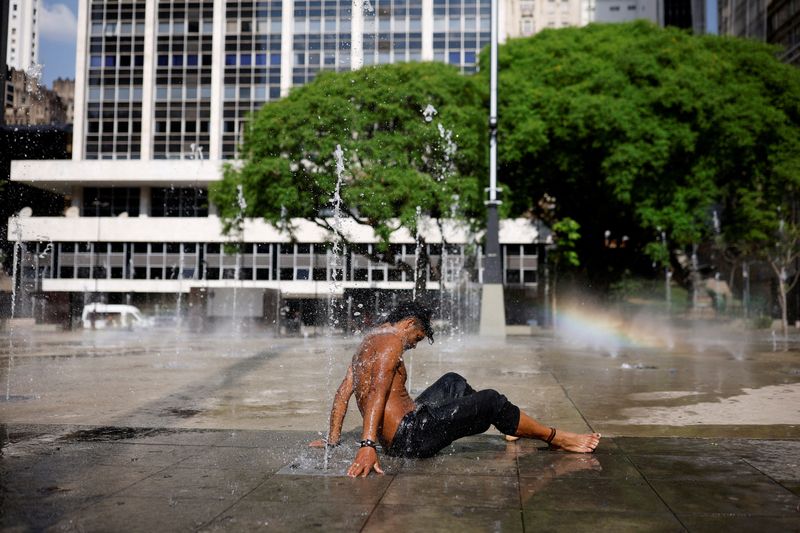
(58, 23)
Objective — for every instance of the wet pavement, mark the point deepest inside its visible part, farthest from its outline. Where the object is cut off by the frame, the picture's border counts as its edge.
(112, 431)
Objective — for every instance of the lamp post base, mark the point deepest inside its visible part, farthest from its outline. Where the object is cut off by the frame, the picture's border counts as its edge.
(493, 311)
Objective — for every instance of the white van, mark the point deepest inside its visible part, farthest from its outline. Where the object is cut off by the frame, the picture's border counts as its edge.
(102, 316)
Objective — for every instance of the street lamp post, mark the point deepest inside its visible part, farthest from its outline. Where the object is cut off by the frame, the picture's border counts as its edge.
(493, 315)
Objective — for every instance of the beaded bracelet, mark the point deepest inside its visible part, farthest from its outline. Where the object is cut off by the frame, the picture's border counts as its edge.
(371, 443)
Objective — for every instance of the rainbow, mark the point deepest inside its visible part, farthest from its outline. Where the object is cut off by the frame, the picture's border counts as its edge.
(605, 330)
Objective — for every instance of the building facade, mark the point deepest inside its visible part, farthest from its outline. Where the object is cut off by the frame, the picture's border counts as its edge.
(30, 104)
(783, 28)
(611, 11)
(65, 89)
(161, 93)
(743, 18)
(177, 74)
(22, 47)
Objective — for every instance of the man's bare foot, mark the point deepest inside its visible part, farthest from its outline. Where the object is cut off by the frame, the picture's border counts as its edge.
(511, 438)
(574, 442)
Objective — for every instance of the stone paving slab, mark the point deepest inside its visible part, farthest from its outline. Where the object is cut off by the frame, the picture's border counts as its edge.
(76, 479)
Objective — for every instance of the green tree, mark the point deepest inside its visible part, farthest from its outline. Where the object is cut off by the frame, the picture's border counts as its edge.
(638, 130)
(399, 153)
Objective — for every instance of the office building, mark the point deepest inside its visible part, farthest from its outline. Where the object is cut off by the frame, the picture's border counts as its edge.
(22, 45)
(162, 90)
(743, 18)
(783, 28)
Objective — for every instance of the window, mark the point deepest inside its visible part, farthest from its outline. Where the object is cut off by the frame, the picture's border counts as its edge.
(110, 201)
(179, 201)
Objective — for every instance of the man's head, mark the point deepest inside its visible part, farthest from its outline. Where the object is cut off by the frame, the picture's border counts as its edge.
(415, 311)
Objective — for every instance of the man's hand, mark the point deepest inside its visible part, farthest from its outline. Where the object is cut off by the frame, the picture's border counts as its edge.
(366, 460)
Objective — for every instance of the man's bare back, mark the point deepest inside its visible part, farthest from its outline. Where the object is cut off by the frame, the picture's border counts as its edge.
(381, 343)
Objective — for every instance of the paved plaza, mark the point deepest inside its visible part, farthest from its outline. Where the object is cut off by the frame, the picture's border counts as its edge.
(166, 431)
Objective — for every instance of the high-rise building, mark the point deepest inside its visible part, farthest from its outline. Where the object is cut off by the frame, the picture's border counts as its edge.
(162, 90)
(3, 44)
(783, 28)
(23, 34)
(624, 11)
(743, 18)
(173, 74)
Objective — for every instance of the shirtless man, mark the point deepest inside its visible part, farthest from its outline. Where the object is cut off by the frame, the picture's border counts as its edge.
(447, 410)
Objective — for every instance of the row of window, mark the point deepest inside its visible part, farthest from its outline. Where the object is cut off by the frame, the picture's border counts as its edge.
(258, 261)
(113, 29)
(164, 201)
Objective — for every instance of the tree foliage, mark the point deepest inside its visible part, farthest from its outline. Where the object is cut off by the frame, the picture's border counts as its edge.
(394, 159)
(638, 130)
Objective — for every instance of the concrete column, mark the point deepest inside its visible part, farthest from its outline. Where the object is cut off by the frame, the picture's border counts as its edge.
(148, 79)
(217, 81)
(427, 30)
(287, 44)
(145, 202)
(357, 35)
(79, 125)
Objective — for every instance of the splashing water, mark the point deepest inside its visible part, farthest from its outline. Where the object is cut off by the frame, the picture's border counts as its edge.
(417, 251)
(429, 112)
(336, 266)
(33, 75)
(240, 198)
(17, 246)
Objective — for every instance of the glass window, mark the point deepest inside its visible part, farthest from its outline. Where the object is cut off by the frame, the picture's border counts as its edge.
(191, 60)
(245, 59)
(163, 27)
(163, 60)
(454, 58)
(111, 61)
(177, 60)
(95, 61)
(261, 59)
(230, 59)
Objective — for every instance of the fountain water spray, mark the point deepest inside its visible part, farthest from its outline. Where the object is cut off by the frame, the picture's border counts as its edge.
(17, 246)
(335, 267)
(417, 252)
(239, 221)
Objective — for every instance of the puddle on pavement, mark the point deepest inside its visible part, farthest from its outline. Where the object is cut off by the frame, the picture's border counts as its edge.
(110, 433)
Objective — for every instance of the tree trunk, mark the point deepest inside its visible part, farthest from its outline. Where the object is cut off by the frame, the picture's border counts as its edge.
(782, 301)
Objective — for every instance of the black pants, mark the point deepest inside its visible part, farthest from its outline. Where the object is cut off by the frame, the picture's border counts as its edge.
(449, 410)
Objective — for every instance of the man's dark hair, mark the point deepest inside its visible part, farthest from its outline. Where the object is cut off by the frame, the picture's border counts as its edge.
(413, 310)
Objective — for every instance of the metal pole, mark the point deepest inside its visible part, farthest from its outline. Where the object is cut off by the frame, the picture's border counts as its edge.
(492, 301)
(492, 272)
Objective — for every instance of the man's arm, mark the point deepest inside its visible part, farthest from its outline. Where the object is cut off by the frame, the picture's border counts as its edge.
(381, 377)
(338, 411)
